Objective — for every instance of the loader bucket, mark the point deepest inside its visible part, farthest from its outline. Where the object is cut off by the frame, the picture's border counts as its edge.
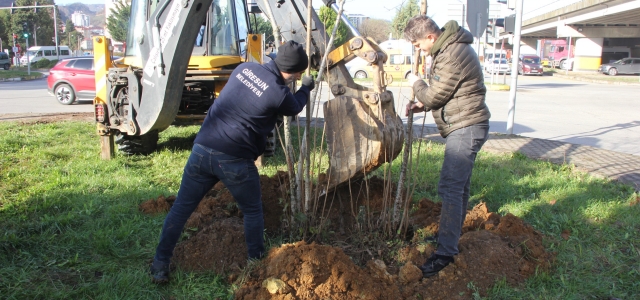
(361, 136)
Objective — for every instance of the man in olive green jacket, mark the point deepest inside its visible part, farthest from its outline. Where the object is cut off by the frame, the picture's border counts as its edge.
(456, 97)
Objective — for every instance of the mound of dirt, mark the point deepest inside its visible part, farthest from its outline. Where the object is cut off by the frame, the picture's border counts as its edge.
(219, 246)
(316, 272)
(216, 239)
(492, 248)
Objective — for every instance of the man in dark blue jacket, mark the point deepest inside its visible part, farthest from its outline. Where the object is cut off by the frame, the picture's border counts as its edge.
(231, 138)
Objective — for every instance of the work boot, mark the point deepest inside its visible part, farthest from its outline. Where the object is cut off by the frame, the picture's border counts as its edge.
(159, 272)
(434, 264)
(432, 239)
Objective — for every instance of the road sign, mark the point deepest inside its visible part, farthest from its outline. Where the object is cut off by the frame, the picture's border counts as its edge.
(477, 16)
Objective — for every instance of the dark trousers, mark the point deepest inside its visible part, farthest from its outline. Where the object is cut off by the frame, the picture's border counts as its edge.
(203, 170)
(462, 146)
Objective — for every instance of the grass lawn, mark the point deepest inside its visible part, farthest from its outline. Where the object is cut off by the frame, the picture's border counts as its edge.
(18, 72)
(598, 76)
(72, 229)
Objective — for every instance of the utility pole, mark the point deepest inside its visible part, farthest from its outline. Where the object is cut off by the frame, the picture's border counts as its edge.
(493, 30)
(28, 61)
(479, 25)
(514, 67)
(55, 30)
(35, 36)
(568, 61)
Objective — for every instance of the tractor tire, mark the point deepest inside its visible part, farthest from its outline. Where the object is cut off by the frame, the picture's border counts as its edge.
(137, 144)
(270, 149)
(272, 138)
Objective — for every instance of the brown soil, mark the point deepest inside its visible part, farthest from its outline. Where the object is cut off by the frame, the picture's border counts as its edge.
(32, 118)
(492, 248)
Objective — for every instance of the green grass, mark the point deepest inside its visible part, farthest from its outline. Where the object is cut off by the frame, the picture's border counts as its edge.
(15, 72)
(603, 77)
(72, 229)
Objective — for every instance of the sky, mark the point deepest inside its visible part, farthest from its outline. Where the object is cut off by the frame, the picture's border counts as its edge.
(387, 9)
(437, 9)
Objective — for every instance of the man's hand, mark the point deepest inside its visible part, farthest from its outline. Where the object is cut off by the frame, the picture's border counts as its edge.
(308, 82)
(412, 78)
(415, 106)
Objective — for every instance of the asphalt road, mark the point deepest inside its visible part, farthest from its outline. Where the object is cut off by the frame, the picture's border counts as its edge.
(599, 115)
(19, 97)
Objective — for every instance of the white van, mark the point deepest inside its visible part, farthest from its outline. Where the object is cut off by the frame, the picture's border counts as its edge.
(488, 55)
(37, 53)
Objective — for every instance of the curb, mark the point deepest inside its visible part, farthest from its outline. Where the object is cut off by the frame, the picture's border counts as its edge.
(578, 78)
(497, 87)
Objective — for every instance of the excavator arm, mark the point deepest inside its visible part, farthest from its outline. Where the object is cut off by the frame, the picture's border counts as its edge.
(362, 127)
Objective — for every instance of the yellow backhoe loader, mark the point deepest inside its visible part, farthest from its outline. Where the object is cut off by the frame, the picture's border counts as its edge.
(179, 55)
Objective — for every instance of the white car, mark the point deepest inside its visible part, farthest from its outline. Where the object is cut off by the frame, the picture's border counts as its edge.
(497, 66)
(358, 68)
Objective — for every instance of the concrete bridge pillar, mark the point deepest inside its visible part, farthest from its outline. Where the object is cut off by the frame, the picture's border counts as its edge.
(588, 54)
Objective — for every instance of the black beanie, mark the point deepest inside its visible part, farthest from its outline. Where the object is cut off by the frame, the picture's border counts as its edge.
(291, 58)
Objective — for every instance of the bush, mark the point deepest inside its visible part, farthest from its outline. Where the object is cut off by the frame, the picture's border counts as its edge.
(44, 63)
(41, 64)
(52, 63)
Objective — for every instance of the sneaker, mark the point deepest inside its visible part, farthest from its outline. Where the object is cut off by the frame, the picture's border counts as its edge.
(159, 272)
(434, 264)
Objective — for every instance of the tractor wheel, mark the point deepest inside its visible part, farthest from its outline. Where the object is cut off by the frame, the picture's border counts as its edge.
(137, 144)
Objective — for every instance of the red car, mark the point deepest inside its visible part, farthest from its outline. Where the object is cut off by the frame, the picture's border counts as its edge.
(72, 79)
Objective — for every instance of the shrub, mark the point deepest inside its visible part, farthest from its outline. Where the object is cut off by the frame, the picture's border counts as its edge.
(52, 63)
(41, 64)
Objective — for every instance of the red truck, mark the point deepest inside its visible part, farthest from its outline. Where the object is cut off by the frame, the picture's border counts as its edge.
(555, 53)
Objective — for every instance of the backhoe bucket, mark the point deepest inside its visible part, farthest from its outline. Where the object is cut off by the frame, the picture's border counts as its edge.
(361, 136)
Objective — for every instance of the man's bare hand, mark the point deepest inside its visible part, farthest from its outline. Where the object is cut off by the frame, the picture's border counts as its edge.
(415, 106)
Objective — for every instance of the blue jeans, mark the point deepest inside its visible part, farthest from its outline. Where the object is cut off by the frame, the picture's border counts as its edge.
(203, 170)
(462, 146)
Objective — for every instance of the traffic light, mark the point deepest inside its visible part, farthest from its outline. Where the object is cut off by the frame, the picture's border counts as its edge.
(510, 23)
(25, 30)
(492, 24)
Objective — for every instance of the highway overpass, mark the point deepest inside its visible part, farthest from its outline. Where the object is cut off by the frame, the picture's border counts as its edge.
(599, 30)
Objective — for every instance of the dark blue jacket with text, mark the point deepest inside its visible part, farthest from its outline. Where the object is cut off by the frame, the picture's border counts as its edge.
(247, 110)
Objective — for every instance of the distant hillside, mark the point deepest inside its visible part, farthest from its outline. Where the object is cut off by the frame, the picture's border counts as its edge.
(94, 11)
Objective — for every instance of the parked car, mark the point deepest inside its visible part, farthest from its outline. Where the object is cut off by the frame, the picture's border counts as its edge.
(5, 61)
(530, 65)
(497, 66)
(630, 65)
(358, 68)
(398, 66)
(72, 79)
